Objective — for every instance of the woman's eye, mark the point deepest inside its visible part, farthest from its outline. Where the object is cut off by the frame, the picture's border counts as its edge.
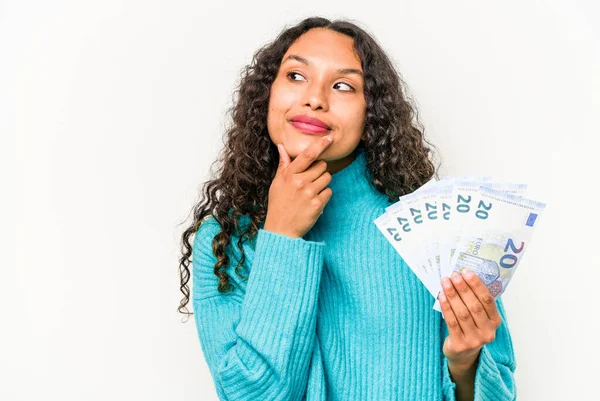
(291, 74)
(343, 83)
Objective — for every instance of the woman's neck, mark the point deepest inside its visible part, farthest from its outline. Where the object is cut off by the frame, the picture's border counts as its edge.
(351, 186)
(335, 166)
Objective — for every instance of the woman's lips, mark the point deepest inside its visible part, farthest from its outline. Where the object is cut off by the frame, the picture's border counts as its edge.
(309, 128)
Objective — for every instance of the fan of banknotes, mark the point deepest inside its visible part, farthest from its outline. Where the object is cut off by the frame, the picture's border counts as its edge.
(459, 223)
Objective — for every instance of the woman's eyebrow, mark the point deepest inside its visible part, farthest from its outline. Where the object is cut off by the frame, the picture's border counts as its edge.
(340, 71)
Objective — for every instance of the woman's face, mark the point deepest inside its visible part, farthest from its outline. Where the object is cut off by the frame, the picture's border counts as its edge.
(309, 82)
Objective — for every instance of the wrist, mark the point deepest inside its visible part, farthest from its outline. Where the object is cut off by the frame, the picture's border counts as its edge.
(279, 231)
(463, 367)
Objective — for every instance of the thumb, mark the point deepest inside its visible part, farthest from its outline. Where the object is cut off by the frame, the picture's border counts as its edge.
(284, 158)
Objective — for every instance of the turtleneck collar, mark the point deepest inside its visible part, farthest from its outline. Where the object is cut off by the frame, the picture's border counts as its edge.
(351, 184)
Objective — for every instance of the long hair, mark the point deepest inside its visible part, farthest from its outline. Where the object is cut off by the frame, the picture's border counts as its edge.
(397, 153)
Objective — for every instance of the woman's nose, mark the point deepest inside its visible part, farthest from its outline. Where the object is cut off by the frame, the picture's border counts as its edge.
(315, 96)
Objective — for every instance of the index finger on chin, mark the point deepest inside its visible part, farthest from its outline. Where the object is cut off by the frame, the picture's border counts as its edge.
(308, 156)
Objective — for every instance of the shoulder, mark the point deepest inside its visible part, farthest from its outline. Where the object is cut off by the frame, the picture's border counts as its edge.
(209, 229)
(204, 260)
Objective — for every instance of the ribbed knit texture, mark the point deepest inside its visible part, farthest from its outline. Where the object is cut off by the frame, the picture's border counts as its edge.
(335, 315)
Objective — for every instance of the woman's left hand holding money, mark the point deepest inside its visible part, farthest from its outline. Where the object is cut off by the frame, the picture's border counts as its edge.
(472, 318)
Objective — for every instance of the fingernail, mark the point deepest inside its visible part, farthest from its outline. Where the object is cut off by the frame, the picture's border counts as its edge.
(455, 277)
(467, 273)
(329, 138)
(446, 282)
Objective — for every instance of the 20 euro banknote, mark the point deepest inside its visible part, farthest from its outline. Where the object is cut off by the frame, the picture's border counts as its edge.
(494, 242)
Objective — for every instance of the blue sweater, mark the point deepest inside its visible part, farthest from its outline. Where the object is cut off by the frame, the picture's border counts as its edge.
(335, 315)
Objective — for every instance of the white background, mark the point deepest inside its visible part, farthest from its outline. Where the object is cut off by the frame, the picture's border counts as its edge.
(111, 113)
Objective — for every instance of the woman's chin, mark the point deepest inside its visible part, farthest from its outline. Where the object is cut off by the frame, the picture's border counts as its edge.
(299, 146)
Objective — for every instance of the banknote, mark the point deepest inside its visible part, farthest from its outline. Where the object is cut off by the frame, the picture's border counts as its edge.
(457, 223)
(494, 242)
(397, 232)
(466, 204)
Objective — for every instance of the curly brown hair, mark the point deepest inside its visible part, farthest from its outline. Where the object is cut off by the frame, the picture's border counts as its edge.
(397, 153)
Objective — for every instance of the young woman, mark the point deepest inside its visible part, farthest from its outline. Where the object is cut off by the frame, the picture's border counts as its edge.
(296, 294)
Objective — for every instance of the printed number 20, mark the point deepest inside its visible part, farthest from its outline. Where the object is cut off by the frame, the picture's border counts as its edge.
(509, 260)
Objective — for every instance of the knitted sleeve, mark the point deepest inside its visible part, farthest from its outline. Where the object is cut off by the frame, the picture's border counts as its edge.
(494, 377)
(261, 343)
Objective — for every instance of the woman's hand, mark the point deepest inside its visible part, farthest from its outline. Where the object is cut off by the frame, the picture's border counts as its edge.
(472, 318)
(299, 193)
